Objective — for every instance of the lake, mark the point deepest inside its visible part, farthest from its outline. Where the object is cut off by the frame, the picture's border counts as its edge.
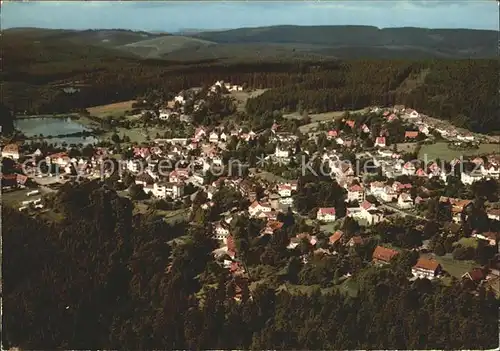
(52, 126)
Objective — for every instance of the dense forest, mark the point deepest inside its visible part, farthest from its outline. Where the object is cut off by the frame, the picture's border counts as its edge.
(35, 73)
(105, 278)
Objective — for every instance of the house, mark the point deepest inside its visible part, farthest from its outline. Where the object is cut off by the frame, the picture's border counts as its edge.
(61, 159)
(405, 201)
(424, 129)
(256, 207)
(199, 133)
(331, 134)
(494, 213)
(411, 135)
(383, 255)
(271, 227)
(465, 137)
(11, 151)
(380, 141)
(326, 214)
(178, 175)
(284, 190)
(371, 216)
(214, 137)
(377, 188)
(180, 99)
(408, 169)
(365, 128)
(355, 240)
(335, 237)
(350, 123)
(281, 152)
(355, 193)
(221, 231)
(469, 178)
(490, 237)
(410, 113)
(162, 190)
(476, 275)
(367, 205)
(391, 117)
(426, 268)
(388, 194)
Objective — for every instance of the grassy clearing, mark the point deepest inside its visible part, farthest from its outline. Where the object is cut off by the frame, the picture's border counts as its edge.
(348, 287)
(454, 267)
(241, 97)
(116, 109)
(468, 242)
(15, 197)
(318, 117)
(441, 151)
(406, 147)
(270, 177)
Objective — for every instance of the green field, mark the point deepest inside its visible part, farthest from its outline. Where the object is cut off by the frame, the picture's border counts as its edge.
(115, 109)
(454, 267)
(441, 151)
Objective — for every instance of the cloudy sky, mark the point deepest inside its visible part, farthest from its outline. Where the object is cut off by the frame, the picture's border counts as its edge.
(173, 16)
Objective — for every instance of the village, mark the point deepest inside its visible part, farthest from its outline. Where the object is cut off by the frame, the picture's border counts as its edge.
(216, 174)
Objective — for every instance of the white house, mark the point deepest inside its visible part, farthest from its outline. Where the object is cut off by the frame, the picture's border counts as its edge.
(199, 133)
(180, 99)
(426, 268)
(284, 190)
(221, 230)
(491, 237)
(214, 137)
(494, 214)
(410, 113)
(61, 159)
(405, 201)
(257, 207)
(380, 142)
(281, 152)
(355, 193)
(326, 214)
(469, 178)
(376, 188)
(388, 194)
(466, 137)
(408, 168)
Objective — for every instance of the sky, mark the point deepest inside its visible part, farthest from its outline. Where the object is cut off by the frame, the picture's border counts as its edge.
(171, 16)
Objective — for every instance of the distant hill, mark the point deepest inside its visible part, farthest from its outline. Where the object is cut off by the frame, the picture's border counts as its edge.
(339, 41)
(98, 37)
(245, 52)
(160, 46)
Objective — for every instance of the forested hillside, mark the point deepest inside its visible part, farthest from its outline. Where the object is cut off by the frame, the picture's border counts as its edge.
(105, 279)
(34, 74)
(462, 91)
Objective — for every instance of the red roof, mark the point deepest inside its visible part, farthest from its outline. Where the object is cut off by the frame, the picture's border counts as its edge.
(356, 240)
(427, 264)
(231, 246)
(336, 236)
(355, 187)
(332, 133)
(411, 134)
(476, 274)
(327, 210)
(380, 140)
(350, 123)
(367, 205)
(383, 254)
